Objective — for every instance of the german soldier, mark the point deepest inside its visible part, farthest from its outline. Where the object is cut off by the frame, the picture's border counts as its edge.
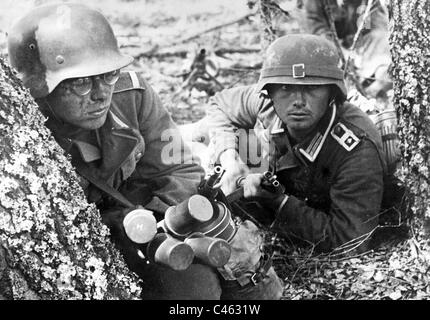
(325, 151)
(111, 123)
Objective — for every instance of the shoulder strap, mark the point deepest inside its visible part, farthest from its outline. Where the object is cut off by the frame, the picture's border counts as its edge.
(129, 80)
(84, 170)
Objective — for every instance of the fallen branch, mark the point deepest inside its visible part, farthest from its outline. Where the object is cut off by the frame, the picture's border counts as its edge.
(223, 25)
(182, 53)
(153, 53)
(222, 51)
(163, 54)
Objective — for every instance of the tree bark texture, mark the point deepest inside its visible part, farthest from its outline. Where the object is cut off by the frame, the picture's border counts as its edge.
(52, 242)
(410, 49)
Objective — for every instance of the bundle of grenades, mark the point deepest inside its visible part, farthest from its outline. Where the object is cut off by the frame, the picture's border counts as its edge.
(198, 229)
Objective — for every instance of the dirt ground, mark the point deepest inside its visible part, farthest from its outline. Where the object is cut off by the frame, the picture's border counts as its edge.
(165, 36)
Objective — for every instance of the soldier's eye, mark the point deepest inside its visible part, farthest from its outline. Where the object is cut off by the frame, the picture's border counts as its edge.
(312, 87)
(81, 81)
(111, 77)
(80, 86)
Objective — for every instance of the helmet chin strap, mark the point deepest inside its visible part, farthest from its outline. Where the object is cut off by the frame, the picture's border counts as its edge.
(332, 102)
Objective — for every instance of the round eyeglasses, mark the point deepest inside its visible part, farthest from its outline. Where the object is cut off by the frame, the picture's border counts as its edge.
(82, 86)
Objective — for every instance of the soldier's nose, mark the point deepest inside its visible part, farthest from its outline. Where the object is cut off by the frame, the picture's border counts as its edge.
(299, 104)
(99, 91)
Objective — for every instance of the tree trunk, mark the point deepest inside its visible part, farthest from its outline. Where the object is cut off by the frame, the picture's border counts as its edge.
(52, 242)
(410, 49)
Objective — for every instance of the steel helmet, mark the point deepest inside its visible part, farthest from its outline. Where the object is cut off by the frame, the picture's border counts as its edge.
(301, 59)
(61, 41)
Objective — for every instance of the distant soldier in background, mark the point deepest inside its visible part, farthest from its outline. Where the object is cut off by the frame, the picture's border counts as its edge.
(372, 52)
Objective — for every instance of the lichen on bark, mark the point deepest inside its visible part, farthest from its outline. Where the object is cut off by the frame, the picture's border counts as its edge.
(52, 242)
(410, 49)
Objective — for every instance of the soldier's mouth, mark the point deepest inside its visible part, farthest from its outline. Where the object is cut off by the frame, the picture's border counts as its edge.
(98, 112)
(298, 114)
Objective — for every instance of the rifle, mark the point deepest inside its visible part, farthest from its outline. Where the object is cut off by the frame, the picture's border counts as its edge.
(269, 183)
(233, 202)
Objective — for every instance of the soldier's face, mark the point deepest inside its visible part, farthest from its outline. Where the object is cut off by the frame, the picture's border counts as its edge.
(301, 107)
(87, 111)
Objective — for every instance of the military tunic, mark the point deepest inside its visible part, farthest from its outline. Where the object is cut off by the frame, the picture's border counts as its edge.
(334, 179)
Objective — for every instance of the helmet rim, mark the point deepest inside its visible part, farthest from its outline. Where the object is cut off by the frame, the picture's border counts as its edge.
(302, 81)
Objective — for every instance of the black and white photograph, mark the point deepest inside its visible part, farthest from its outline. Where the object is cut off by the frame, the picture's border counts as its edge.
(233, 152)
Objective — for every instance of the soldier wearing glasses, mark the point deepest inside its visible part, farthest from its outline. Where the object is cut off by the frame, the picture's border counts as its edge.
(111, 122)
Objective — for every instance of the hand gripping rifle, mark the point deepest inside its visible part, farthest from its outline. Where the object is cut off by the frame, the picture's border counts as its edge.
(269, 183)
(241, 208)
(232, 202)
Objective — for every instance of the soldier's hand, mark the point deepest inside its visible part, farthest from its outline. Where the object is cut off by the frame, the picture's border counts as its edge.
(234, 168)
(252, 189)
(113, 217)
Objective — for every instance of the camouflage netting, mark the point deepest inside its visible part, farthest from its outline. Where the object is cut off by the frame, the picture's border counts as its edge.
(52, 242)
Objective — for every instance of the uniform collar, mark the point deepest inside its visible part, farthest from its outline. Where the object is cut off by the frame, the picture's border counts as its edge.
(76, 137)
(311, 148)
(88, 151)
(278, 126)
